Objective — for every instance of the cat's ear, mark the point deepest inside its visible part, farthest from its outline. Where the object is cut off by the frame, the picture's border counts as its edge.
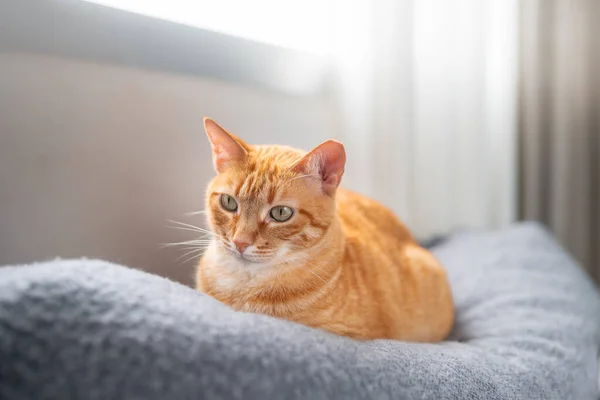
(226, 148)
(327, 161)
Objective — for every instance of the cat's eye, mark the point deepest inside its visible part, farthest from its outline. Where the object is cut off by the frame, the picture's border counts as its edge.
(228, 203)
(281, 213)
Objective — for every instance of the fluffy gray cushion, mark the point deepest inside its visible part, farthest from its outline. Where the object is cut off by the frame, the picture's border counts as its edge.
(528, 328)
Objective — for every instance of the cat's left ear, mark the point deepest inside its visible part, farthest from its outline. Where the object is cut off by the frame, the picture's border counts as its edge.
(327, 161)
(227, 149)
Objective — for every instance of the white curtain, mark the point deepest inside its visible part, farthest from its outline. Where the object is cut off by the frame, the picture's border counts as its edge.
(426, 94)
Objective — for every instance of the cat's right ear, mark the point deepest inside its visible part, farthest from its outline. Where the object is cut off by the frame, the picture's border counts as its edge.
(227, 150)
(326, 161)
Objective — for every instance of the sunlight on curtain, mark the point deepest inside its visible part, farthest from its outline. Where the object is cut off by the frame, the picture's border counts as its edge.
(427, 95)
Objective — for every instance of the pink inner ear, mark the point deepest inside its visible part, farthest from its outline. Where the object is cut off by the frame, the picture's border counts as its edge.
(334, 161)
(226, 150)
(327, 161)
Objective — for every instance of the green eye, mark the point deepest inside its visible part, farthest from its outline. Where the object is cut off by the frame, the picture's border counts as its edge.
(281, 213)
(228, 203)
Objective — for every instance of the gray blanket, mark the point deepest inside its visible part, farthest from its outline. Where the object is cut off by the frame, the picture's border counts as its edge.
(528, 328)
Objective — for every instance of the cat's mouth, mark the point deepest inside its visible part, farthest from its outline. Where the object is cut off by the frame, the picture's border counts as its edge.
(249, 257)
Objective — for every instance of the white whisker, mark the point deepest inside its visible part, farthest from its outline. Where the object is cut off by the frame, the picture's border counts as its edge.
(194, 228)
(196, 253)
(182, 228)
(191, 214)
(300, 177)
(188, 242)
(197, 246)
(191, 258)
(307, 266)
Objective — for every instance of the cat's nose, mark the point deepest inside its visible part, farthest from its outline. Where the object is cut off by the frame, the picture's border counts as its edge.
(241, 244)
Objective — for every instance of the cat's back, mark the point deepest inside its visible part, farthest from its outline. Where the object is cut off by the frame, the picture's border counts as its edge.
(393, 273)
(363, 217)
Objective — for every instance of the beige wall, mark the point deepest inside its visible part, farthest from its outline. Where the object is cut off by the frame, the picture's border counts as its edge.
(95, 159)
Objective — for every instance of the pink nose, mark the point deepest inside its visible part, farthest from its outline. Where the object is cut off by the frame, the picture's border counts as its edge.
(241, 245)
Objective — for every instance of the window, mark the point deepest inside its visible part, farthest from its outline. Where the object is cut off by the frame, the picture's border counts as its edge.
(275, 22)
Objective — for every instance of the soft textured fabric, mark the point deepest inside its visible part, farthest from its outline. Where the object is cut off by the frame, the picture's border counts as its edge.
(528, 327)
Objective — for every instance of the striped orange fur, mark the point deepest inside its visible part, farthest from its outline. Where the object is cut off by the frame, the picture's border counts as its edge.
(342, 262)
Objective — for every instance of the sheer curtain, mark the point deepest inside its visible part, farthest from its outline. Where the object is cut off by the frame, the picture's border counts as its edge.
(427, 97)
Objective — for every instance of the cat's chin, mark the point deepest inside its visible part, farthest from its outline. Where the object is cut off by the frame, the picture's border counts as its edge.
(249, 260)
(235, 259)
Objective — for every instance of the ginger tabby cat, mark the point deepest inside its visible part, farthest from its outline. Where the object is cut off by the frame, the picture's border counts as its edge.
(291, 244)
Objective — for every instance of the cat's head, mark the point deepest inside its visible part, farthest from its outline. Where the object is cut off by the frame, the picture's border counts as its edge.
(268, 203)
